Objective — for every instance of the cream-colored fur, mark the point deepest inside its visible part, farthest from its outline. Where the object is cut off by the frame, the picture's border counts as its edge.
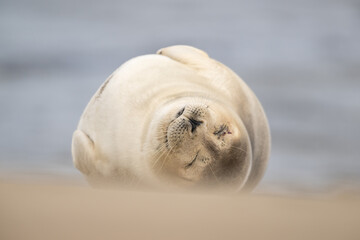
(121, 132)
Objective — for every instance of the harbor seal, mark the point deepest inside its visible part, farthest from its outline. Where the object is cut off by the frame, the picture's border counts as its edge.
(175, 119)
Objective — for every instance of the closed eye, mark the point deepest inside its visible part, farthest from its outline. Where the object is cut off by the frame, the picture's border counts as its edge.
(222, 129)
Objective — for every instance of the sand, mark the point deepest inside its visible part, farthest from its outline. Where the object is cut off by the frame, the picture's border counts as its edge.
(63, 211)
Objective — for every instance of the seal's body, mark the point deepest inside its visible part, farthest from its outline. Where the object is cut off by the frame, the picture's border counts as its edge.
(177, 118)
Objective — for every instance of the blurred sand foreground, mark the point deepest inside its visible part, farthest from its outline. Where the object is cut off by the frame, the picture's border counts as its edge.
(32, 211)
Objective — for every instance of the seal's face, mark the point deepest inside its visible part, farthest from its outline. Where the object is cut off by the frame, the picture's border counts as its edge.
(199, 143)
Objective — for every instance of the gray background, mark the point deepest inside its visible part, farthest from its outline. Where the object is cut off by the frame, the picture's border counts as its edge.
(301, 58)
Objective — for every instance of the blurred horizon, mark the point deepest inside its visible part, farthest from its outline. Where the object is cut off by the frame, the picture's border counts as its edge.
(301, 58)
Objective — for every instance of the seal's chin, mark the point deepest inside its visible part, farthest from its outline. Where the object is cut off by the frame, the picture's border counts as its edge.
(200, 144)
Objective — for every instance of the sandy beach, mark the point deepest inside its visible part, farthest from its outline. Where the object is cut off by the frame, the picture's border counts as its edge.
(62, 211)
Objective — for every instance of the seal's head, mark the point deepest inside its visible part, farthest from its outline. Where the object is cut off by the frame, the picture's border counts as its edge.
(196, 142)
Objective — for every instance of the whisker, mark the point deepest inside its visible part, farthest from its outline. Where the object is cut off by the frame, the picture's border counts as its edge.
(158, 151)
(244, 151)
(217, 180)
(160, 156)
(169, 153)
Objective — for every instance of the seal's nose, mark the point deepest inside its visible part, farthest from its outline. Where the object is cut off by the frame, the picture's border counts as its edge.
(194, 114)
(194, 124)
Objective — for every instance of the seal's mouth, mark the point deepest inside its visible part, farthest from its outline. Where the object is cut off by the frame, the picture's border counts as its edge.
(192, 162)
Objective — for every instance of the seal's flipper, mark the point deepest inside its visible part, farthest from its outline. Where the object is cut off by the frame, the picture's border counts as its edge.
(205, 66)
(83, 152)
(185, 54)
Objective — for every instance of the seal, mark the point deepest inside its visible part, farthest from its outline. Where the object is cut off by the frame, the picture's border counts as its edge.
(175, 119)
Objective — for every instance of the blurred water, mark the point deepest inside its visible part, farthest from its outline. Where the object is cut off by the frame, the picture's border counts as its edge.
(302, 59)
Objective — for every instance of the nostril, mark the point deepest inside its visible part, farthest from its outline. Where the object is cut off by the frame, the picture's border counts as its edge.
(194, 124)
(180, 112)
